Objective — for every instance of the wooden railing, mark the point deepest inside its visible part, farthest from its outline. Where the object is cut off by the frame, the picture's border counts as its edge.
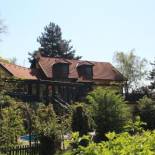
(20, 150)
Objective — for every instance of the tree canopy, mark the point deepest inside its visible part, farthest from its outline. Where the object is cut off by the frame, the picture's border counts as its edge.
(11, 120)
(81, 119)
(152, 75)
(132, 67)
(109, 110)
(53, 45)
(47, 127)
(2, 27)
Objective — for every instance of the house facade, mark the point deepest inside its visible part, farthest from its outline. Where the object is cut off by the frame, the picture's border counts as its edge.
(61, 79)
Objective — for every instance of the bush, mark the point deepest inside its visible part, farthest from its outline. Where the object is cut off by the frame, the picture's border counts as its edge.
(110, 111)
(119, 144)
(46, 126)
(147, 112)
(11, 121)
(135, 126)
(81, 120)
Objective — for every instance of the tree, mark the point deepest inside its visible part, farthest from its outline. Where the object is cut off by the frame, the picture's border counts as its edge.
(11, 121)
(147, 112)
(132, 67)
(53, 45)
(46, 126)
(110, 111)
(81, 120)
(2, 27)
(152, 75)
(13, 60)
(4, 60)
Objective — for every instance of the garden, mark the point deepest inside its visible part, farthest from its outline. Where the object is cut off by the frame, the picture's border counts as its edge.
(105, 122)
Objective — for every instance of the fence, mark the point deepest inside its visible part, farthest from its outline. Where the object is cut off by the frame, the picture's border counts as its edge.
(20, 150)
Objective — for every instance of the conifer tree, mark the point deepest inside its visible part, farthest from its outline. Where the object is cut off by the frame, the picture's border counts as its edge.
(52, 44)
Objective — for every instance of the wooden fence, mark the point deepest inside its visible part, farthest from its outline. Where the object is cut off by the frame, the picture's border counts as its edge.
(20, 150)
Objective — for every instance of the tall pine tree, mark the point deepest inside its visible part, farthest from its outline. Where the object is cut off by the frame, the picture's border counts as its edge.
(52, 44)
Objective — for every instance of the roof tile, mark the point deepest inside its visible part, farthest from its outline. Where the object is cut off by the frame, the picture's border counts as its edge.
(101, 70)
(19, 71)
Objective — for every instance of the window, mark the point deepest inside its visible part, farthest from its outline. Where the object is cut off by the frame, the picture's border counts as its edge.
(60, 71)
(85, 72)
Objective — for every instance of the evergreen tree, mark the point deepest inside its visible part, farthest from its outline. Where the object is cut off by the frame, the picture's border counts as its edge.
(147, 112)
(109, 111)
(81, 119)
(53, 45)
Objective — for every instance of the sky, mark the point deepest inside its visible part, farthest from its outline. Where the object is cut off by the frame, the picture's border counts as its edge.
(97, 28)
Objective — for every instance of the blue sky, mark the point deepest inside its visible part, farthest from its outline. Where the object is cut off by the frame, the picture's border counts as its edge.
(97, 28)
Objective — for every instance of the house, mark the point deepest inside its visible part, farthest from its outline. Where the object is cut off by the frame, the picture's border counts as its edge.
(62, 79)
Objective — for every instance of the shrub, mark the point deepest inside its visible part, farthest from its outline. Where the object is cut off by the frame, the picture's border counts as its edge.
(110, 111)
(119, 144)
(81, 119)
(147, 112)
(135, 126)
(11, 121)
(46, 126)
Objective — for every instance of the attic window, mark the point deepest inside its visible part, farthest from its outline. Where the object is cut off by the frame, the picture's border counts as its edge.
(60, 71)
(85, 72)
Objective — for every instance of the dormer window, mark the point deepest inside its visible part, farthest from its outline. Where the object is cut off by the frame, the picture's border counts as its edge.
(85, 71)
(60, 71)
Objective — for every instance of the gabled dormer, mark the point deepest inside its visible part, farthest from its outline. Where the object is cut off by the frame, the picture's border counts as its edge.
(60, 70)
(85, 70)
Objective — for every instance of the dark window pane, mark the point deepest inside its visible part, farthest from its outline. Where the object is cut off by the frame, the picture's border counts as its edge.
(60, 71)
(85, 72)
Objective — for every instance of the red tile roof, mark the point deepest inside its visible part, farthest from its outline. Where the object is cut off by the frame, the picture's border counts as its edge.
(18, 71)
(101, 70)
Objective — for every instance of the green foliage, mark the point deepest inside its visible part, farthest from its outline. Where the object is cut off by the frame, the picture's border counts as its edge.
(135, 126)
(132, 67)
(4, 60)
(8, 61)
(46, 126)
(11, 121)
(152, 75)
(145, 102)
(147, 112)
(45, 120)
(53, 45)
(109, 110)
(81, 120)
(119, 144)
(76, 140)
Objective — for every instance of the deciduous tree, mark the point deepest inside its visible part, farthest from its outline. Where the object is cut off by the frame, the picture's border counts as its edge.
(152, 75)
(11, 121)
(132, 67)
(2, 27)
(46, 126)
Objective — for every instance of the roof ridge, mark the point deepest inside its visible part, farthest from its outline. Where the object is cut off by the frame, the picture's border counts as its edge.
(90, 61)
